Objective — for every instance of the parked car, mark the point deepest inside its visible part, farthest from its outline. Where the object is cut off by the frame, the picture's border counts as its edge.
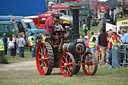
(9, 27)
(30, 28)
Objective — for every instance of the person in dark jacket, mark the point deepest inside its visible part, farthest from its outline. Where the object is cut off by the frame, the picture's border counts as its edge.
(89, 17)
(103, 44)
(5, 43)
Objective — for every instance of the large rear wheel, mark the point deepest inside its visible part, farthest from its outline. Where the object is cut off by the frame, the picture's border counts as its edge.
(89, 63)
(67, 64)
(44, 58)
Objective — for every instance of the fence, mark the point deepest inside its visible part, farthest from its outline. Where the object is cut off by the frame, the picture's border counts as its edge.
(120, 55)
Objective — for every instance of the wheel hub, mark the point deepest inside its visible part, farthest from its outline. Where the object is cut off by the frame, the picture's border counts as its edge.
(43, 58)
(67, 64)
(89, 63)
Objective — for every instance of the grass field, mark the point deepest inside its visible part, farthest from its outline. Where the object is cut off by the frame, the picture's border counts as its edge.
(27, 55)
(32, 77)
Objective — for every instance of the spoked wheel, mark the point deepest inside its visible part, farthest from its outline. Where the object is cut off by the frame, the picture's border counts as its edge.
(44, 58)
(67, 64)
(89, 63)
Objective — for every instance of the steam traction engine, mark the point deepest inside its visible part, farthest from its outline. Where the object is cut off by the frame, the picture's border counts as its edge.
(64, 49)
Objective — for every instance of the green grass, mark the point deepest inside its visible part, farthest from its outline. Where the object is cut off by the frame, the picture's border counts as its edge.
(27, 55)
(121, 19)
(32, 77)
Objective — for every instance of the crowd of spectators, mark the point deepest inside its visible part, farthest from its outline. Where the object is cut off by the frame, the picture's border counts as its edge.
(104, 45)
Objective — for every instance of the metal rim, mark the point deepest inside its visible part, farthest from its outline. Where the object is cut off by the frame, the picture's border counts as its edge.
(89, 63)
(67, 64)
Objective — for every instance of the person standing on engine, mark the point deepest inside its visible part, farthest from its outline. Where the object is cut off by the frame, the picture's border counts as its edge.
(49, 24)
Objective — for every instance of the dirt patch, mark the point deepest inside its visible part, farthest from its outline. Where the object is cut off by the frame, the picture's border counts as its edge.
(24, 65)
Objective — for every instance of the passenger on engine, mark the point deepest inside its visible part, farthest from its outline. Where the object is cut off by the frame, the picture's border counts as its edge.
(58, 26)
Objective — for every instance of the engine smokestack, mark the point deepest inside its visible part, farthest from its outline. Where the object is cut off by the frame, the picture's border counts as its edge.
(75, 11)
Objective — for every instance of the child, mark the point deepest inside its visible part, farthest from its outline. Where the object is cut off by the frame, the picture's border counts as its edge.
(58, 26)
(82, 38)
(85, 28)
(119, 41)
(86, 43)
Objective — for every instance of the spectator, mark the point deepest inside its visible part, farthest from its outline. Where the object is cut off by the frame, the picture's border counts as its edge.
(125, 36)
(21, 44)
(119, 41)
(5, 43)
(107, 14)
(99, 17)
(15, 44)
(92, 43)
(89, 17)
(102, 15)
(119, 33)
(39, 39)
(102, 39)
(85, 27)
(121, 11)
(95, 22)
(17, 48)
(117, 11)
(29, 42)
(125, 10)
(80, 19)
(33, 45)
(111, 40)
(82, 38)
(97, 44)
(11, 46)
(1, 51)
(110, 13)
(86, 43)
(114, 16)
(43, 37)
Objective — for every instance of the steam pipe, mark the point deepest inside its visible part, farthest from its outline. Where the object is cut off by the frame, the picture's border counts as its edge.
(75, 11)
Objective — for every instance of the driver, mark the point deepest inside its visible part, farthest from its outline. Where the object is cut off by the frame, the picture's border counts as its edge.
(49, 24)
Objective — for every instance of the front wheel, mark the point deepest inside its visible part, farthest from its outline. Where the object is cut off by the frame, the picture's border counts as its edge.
(67, 64)
(89, 63)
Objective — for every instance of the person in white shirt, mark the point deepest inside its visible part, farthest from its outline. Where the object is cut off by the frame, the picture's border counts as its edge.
(21, 44)
(11, 46)
(114, 16)
(117, 11)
